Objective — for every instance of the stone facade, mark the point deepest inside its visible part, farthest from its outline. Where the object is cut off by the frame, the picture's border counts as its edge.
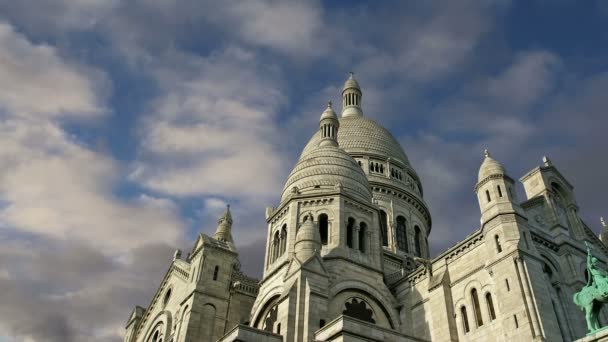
(347, 256)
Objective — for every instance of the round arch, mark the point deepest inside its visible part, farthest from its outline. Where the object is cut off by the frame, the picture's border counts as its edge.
(383, 300)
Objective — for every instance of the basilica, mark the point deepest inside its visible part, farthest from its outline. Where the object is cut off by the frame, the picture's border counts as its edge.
(347, 256)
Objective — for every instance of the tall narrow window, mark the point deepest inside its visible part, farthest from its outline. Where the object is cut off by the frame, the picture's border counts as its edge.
(499, 191)
(516, 323)
(275, 246)
(417, 237)
(465, 319)
(362, 241)
(490, 306)
(283, 239)
(384, 227)
(279, 329)
(349, 232)
(497, 241)
(323, 228)
(215, 272)
(507, 285)
(401, 234)
(476, 309)
(488, 196)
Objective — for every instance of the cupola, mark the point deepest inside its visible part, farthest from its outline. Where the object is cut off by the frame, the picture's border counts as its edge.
(351, 98)
(328, 126)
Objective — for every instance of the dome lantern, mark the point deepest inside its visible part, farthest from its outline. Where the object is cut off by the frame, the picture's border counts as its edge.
(351, 98)
(328, 126)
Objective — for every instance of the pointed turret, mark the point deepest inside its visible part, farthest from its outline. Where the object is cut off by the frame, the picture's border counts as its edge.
(329, 125)
(604, 232)
(351, 97)
(308, 241)
(494, 189)
(224, 228)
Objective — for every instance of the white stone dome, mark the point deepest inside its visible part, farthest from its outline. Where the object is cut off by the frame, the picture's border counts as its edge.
(490, 167)
(359, 134)
(327, 168)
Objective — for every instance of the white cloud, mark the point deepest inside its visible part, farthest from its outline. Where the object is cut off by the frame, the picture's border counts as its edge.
(35, 80)
(214, 131)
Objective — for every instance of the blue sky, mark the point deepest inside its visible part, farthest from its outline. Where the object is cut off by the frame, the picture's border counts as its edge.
(127, 126)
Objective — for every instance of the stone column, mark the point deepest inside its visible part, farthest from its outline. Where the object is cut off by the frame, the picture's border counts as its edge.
(528, 300)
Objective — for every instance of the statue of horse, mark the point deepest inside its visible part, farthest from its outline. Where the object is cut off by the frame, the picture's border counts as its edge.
(591, 299)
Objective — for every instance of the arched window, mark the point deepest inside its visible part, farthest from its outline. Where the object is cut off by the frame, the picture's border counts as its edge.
(323, 228)
(279, 329)
(283, 239)
(349, 232)
(499, 191)
(476, 309)
(275, 246)
(497, 241)
(155, 337)
(465, 319)
(417, 242)
(321, 323)
(381, 168)
(401, 234)
(384, 227)
(362, 240)
(488, 196)
(490, 304)
(167, 296)
(215, 272)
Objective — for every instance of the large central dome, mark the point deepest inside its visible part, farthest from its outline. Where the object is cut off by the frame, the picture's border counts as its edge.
(359, 134)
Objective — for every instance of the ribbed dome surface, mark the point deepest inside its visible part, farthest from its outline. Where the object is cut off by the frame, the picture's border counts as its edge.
(490, 167)
(351, 83)
(324, 168)
(360, 134)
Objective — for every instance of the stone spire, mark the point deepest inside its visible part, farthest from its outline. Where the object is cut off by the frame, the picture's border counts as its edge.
(351, 97)
(308, 240)
(494, 189)
(329, 125)
(224, 228)
(489, 167)
(604, 232)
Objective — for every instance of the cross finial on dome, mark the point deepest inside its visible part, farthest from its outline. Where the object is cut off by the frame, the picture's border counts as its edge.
(351, 75)
(329, 104)
(547, 161)
(603, 222)
(486, 153)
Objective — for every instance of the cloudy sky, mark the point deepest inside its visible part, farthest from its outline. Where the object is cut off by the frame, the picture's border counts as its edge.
(126, 126)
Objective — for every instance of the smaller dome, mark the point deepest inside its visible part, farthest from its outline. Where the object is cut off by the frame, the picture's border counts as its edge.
(308, 240)
(329, 113)
(490, 167)
(351, 82)
(327, 168)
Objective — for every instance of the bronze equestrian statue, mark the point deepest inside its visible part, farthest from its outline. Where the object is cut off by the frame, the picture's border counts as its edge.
(593, 296)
